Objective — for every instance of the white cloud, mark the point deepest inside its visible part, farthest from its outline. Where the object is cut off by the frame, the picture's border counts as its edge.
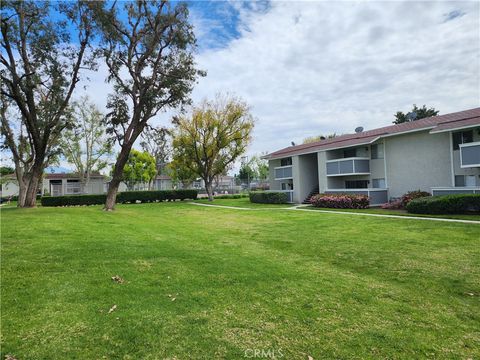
(319, 67)
(310, 68)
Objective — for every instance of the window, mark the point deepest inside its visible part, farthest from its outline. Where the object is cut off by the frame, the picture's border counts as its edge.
(349, 153)
(378, 183)
(286, 162)
(464, 180)
(287, 186)
(461, 137)
(356, 184)
(377, 151)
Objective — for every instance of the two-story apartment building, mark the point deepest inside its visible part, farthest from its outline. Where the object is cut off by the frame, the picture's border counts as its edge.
(439, 154)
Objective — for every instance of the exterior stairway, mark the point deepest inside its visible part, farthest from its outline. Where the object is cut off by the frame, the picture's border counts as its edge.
(314, 192)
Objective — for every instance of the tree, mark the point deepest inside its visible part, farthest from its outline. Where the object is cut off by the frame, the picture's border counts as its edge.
(148, 50)
(41, 60)
(416, 114)
(262, 170)
(86, 146)
(212, 137)
(6, 170)
(140, 168)
(156, 142)
(246, 173)
(312, 139)
(181, 172)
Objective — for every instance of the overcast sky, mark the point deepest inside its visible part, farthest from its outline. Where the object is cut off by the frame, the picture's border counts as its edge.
(310, 68)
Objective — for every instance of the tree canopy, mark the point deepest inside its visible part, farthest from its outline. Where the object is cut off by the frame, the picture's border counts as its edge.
(148, 49)
(41, 64)
(140, 168)
(312, 139)
(415, 114)
(212, 136)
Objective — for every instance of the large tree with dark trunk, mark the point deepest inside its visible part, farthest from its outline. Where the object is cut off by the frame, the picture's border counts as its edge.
(41, 59)
(148, 48)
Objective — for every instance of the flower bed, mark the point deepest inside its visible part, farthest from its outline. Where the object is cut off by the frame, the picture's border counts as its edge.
(340, 201)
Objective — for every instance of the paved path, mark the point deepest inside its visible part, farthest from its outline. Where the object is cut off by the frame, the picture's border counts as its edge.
(302, 208)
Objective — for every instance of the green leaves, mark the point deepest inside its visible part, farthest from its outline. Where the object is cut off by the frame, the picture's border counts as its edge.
(140, 167)
(212, 137)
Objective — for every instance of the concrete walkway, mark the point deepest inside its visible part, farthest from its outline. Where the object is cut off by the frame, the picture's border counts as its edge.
(302, 208)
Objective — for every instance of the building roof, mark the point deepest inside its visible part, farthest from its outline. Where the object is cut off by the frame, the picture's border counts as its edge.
(71, 176)
(163, 177)
(447, 122)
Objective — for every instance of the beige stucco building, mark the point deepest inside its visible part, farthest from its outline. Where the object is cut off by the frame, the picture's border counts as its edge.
(439, 154)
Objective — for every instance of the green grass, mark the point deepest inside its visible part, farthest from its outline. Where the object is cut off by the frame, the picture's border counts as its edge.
(401, 213)
(242, 202)
(299, 283)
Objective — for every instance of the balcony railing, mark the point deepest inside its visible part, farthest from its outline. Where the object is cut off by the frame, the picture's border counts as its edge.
(348, 166)
(283, 172)
(470, 155)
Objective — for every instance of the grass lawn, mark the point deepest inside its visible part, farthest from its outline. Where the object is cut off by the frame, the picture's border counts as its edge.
(380, 211)
(242, 202)
(210, 283)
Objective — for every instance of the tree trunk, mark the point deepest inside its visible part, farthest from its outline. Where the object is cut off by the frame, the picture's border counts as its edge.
(22, 191)
(208, 187)
(33, 179)
(117, 177)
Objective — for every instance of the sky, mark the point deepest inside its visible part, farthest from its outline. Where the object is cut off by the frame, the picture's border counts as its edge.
(321, 67)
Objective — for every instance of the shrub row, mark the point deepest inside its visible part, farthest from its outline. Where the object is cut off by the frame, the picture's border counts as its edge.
(445, 204)
(123, 197)
(231, 196)
(402, 203)
(340, 201)
(268, 197)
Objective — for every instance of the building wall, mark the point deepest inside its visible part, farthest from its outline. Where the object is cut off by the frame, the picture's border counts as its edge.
(322, 171)
(457, 170)
(274, 184)
(417, 161)
(9, 189)
(308, 176)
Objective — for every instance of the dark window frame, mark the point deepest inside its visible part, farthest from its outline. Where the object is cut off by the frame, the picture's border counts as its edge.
(461, 137)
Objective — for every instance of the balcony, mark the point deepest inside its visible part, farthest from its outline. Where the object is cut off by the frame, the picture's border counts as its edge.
(470, 155)
(283, 172)
(348, 166)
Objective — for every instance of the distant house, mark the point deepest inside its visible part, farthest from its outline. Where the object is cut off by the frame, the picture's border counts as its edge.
(70, 184)
(439, 154)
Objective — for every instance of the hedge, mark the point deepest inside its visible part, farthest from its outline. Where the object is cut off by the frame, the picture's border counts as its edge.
(400, 204)
(232, 196)
(123, 197)
(340, 201)
(268, 197)
(445, 204)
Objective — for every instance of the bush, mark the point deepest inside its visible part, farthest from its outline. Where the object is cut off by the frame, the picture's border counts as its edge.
(411, 195)
(232, 196)
(445, 204)
(393, 205)
(123, 197)
(340, 201)
(268, 197)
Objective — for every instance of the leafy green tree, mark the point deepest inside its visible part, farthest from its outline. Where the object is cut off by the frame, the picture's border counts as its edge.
(415, 114)
(86, 146)
(140, 168)
(148, 49)
(41, 63)
(246, 173)
(6, 170)
(155, 141)
(212, 137)
(181, 172)
(262, 171)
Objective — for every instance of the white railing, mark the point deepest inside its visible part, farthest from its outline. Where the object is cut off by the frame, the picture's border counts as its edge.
(348, 166)
(470, 155)
(283, 172)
